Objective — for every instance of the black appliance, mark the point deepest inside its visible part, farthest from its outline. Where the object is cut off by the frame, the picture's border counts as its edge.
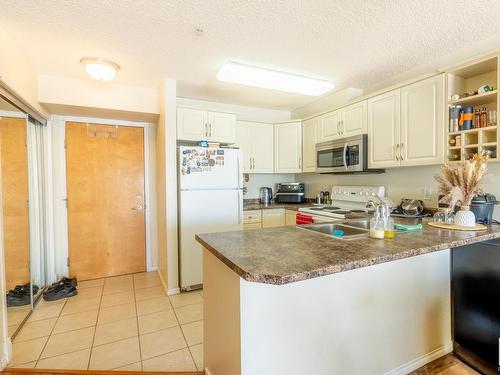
(344, 156)
(290, 192)
(483, 205)
(475, 291)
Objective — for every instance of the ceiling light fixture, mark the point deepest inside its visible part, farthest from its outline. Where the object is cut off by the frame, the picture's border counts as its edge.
(100, 69)
(272, 79)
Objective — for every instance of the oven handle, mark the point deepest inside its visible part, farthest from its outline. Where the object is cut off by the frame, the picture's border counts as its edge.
(344, 156)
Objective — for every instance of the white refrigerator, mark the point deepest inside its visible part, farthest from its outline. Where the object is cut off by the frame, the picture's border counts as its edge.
(210, 200)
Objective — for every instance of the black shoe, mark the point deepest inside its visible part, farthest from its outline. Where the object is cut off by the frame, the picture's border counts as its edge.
(22, 289)
(64, 282)
(16, 298)
(61, 292)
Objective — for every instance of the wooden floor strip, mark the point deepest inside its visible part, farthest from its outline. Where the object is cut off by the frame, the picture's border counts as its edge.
(16, 371)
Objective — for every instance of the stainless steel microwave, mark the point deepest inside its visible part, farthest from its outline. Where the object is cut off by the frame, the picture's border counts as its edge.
(347, 155)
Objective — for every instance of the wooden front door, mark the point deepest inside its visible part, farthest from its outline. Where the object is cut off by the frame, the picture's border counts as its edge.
(15, 200)
(105, 191)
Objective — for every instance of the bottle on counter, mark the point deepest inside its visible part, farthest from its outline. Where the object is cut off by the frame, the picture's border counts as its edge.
(389, 231)
(377, 227)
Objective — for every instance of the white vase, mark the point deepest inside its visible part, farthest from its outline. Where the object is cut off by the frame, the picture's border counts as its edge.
(465, 217)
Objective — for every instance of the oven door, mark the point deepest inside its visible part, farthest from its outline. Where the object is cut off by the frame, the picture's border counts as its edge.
(331, 157)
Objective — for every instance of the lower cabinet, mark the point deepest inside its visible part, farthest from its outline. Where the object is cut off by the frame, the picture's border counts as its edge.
(274, 217)
(268, 218)
(290, 217)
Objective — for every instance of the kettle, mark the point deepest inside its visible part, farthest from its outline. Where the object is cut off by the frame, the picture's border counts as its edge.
(266, 194)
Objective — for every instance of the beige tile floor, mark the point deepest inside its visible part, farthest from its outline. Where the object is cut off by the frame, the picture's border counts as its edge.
(124, 322)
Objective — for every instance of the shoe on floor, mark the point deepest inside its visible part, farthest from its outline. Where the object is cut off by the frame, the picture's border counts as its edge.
(64, 282)
(18, 298)
(62, 292)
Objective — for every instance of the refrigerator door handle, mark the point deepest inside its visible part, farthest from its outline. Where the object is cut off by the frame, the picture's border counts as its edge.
(239, 206)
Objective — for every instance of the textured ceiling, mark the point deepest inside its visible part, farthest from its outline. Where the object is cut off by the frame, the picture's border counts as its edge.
(354, 43)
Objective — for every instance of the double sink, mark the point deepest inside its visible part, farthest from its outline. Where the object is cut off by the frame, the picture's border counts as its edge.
(347, 230)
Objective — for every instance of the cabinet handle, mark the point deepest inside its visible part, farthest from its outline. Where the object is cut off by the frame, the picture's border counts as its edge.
(343, 129)
(397, 152)
(300, 163)
(210, 134)
(253, 163)
(338, 127)
(206, 130)
(401, 152)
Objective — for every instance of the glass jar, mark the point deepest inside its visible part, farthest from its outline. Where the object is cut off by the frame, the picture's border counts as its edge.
(377, 226)
(439, 217)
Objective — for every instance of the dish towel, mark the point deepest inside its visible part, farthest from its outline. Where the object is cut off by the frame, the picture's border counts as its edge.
(408, 227)
(303, 219)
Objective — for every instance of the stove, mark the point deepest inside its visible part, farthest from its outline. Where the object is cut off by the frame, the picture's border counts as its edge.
(346, 199)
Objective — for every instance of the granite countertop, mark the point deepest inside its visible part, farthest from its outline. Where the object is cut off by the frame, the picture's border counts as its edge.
(289, 254)
(256, 205)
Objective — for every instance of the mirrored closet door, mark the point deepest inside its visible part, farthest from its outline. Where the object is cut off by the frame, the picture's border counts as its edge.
(21, 154)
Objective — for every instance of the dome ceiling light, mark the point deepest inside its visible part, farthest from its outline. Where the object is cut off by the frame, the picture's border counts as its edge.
(100, 69)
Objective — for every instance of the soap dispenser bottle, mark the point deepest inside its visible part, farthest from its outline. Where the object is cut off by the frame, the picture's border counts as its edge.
(377, 227)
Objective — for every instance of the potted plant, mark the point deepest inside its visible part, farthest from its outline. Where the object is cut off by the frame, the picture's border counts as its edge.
(460, 184)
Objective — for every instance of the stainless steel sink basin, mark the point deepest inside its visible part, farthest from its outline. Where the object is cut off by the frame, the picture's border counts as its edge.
(339, 231)
(362, 224)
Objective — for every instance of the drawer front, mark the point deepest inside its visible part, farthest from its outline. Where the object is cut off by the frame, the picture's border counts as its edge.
(252, 226)
(273, 218)
(252, 216)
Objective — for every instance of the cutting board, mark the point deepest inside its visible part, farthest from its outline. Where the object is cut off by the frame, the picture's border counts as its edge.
(457, 227)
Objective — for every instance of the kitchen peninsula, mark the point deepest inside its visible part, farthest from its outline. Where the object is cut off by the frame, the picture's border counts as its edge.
(291, 301)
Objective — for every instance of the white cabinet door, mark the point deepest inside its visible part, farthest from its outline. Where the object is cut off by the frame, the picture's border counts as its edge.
(329, 126)
(309, 140)
(191, 124)
(262, 148)
(221, 127)
(354, 120)
(384, 129)
(288, 147)
(422, 122)
(274, 217)
(244, 142)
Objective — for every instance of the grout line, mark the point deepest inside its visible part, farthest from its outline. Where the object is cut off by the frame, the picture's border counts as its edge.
(95, 325)
(183, 335)
(137, 322)
(50, 334)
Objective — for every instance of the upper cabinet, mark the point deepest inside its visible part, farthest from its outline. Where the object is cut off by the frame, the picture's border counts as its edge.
(329, 126)
(345, 122)
(288, 147)
(406, 126)
(422, 122)
(309, 139)
(354, 119)
(383, 129)
(196, 125)
(257, 146)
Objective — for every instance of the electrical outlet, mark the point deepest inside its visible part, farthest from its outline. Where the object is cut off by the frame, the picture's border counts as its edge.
(427, 194)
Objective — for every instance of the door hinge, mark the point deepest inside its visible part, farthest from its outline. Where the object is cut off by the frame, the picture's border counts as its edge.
(65, 202)
(67, 261)
(64, 142)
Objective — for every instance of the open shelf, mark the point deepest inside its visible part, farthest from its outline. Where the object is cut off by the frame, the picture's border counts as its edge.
(469, 78)
(478, 99)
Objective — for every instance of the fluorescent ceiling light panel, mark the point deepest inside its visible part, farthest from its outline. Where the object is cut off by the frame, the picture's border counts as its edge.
(272, 79)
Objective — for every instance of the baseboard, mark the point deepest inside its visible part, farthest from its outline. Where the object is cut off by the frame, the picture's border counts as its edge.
(163, 283)
(173, 291)
(422, 361)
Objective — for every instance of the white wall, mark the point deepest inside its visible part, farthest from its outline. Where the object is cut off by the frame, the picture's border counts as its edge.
(407, 182)
(94, 95)
(256, 181)
(243, 113)
(327, 103)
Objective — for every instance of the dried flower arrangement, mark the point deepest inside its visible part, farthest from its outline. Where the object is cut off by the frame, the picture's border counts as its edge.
(462, 182)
